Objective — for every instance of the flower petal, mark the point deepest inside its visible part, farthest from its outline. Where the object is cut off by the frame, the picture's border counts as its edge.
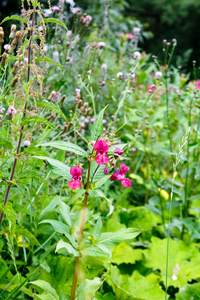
(102, 159)
(126, 182)
(101, 147)
(75, 171)
(124, 169)
(74, 184)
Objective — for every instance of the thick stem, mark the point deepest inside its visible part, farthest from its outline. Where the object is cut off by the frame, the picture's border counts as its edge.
(76, 269)
(24, 114)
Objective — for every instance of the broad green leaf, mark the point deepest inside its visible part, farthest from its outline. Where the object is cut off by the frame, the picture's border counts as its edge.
(105, 250)
(57, 225)
(61, 244)
(164, 150)
(124, 253)
(111, 239)
(88, 288)
(52, 107)
(97, 127)
(57, 167)
(20, 230)
(36, 119)
(66, 146)
(15, 17)
(53, 20)
(65, 212)
(182, 262)
(96, 171)
(5, 143)
(94, 251)
(46, 287)
(100, 182)
(99, 193)
(189, 291)
(97, 229)
(31, 174)
(32, 150)
(49, 60)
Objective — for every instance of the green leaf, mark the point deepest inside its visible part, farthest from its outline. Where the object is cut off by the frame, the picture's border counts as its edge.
(31, 174)
(94, 252)
(5, 143)
(97, 171)
(53, 107)
(53, 20)
(99, 193)
(124, 253)
(65, 212)
(97, 229)
(46, 287)
(88, 288)
(61, 244)
(111, 239)
(97, 127)
(66, 146)
(57, 167)
(100, 182)
(57, 225)
(189, 291)
(36, 119)
(32, 150)
(164, 150)
(10, 214)
(49, 60)
(15, 17)
(20, 230)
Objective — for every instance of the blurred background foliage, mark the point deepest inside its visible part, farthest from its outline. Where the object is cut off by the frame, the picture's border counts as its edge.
(165, 19)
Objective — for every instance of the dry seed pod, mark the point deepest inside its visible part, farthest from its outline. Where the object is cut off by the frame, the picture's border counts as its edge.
(88, 111)
(3, 60)
(15, 67)
(80, 102)
(70, 124)
(63, 98)
(1, 35)
(12, 33)
(15, 80)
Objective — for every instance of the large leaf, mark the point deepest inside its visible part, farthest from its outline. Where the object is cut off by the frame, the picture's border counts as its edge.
(65, 212)
(53, 107)
(111, 239)
(123, 253)
(46, 287)
(20, 230)
(88, 288)
(182, 264)
(15, 17)
(97, 127)
(66, 146)
(189, 291)
(49, 60)
(53, 20)
(57, 166)
(61, 244)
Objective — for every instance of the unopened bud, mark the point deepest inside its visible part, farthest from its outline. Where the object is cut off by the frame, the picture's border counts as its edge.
(70, 124)
(15, 67)
(88, 111)
(80, 102)
(3, 60)
(63, 98)
(86, 105)
(15, 80)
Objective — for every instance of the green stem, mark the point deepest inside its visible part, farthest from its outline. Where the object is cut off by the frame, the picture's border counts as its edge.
(76, 269)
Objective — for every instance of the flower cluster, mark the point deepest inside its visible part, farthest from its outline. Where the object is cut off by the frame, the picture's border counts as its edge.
(76, 173)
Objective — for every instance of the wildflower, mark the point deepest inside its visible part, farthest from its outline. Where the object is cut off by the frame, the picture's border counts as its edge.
(198, 84)
(27, 143)
(118, 151)
(76, 10)
(120, 175)
(88, 19)
(137, 55)
(11, 111)
(158, 74)
(132, 76)
(119, 75)
(106, 170)
(104, 67)
(69, 33)
(133, 149)
(7, 47)
(101, 148)
(2, 110)
(55, 9)
(136, 30)
(101, 44)
(76, 173)
(151, 89)
(69, 59)
(130, 36)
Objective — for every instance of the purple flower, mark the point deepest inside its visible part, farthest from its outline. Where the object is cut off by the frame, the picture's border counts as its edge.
(101, 44)
(118, 152)
(76, 10)
(119, 75)
(27, 143)
(11, 111)
(106, 171)
(55, 8)
(137, 55)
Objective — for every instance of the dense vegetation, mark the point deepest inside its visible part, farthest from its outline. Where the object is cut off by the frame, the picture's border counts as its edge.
(99, 160)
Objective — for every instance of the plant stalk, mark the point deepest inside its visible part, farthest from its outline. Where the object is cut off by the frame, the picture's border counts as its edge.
(83, 215)
(24, 114)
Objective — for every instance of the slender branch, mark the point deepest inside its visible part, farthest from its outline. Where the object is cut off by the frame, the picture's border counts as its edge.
(24, 114)
(83, 215)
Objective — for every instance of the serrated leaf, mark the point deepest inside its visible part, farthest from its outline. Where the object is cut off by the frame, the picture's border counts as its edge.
(100, 182)
(57, 225)
(61, 244)
(124, 253)
(53, 107)
(189, 291)
(10, 214)
(97, 229)
(46, 287)
(35, 151)
(57, 167)
(15, 17)
(66, 146)
(97, 127)
(31, 174)
(49, 60)
(94, 252)
(20, 230)
(111, 239)
(5, 143)
(36, 119)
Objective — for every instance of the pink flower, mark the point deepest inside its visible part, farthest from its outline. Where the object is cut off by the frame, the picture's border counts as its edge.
(151, 89)
(106, 171)
(198, 84)
(120, 175)
(76, 173)
(101, 149)
(101, 44)
(130, 36)
(76, 10)
(55, 9)
(118, 152)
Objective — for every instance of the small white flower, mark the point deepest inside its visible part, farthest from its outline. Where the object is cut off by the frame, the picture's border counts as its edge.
(133, 76)
(136, 30)
(104, 67)
(137, 55)
(158, 74)
(27, 143)
(119, 75)
(76, 10)
(7, 47)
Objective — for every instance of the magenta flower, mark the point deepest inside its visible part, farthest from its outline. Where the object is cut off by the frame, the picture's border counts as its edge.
(198, 84)
(106, 171)
(76, 173)
(120, 175)
(118, 152)
(101, 149)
